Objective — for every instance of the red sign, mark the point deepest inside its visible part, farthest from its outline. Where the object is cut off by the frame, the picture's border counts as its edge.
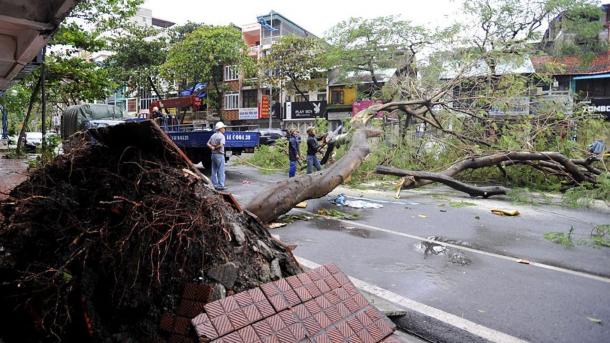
(264, 107)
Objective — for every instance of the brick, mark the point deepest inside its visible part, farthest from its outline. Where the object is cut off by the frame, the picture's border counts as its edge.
(314, 290)
(270, 289)
(333, 314)
(323, 302)
(214, 309)
(188, 308)
(204, 327)
(263, 329)
(322, 338)
(238, 319)
(331, 282)
(391, 339)
(276, 323)
(360, 300)
(292, 298)
(322, 271)
(229, 304)
(314, 275)
(243, 299)
(285, 336)
(365, 336)
(385, 328)
(303, 294)
(278, 302)
(248, 335)
(373, 313)
(322, 320)
(332, 297)
(311, 326)
(343, 311)
(332, 268)
(335, 336)
(351, 305)
(294, 282)
(313, 307)
(351, 290)
(364, 319)
(342, 293)
(222, 325)
(282, 285)
(375, 332)
(305, 279)
(256, 294)
(189, 291)
(288, 317)
(355, 324)
(252, 313)
(298, 331)
(342, 278)
(233, 337)
(265, 308)
(271, 339)
(322, 286)
(167, 322)
(345, 329)
(301, 311)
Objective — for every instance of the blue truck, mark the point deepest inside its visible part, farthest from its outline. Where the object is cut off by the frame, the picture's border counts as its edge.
(191, 138)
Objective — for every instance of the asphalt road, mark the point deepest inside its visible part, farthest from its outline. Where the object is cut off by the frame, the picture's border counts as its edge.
(558, 297)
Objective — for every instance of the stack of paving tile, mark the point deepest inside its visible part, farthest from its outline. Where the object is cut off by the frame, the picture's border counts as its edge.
(321, 305)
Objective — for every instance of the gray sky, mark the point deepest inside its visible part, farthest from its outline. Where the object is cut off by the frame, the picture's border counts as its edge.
(316, 16)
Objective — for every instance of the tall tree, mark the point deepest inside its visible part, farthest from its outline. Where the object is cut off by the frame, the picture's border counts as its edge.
(296, 59)
(203, 54)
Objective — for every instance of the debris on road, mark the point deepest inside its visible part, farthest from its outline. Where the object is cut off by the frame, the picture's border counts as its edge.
(302, 204)
(595, 320)
(341, 200)
(422, 216)
(329, 212)
(523, 261)
(102, 241)
(291, 218)
(276, 225)
(503, 212)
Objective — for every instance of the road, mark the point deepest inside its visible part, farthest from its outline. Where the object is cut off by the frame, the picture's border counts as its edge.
(558, 296)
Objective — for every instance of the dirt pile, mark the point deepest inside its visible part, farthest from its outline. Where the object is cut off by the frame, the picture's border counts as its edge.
(99, 244)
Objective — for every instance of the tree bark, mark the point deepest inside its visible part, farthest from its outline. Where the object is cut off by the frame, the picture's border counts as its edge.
(27, 117)
(549, 162)
(484, 192)
(275, 201)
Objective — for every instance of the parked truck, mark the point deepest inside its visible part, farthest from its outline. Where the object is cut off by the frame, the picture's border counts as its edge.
(192, 138)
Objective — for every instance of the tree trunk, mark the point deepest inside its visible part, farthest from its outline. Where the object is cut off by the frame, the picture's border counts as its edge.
(27, 118)
(275, 201)
(485, 192)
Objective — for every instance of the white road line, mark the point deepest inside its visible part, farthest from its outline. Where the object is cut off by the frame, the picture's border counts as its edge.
(475, 251)
(453, 320)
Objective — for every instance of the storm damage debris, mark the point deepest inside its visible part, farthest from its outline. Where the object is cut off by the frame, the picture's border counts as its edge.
(101, 243)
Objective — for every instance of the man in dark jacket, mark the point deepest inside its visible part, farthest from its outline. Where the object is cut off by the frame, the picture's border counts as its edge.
(312, 149)
(293, 152)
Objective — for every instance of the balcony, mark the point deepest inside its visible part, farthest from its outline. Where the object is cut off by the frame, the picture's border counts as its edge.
(254, 50)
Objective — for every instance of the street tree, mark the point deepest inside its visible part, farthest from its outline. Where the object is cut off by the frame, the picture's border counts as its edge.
(137, 55)
(202, 55)
(299, 60)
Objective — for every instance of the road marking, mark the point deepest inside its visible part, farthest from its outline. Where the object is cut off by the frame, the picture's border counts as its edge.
(453, 320)
(459, 247)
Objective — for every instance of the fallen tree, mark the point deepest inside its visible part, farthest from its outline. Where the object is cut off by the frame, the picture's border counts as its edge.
(574, 171)
(99, 243)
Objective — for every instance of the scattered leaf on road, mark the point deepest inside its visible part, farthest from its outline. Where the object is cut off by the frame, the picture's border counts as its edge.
(443, 210)
(422, 216)
(503, 212)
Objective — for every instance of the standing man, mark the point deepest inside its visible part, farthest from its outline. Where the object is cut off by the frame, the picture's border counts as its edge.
(312, 149)
(293, 151)
(216, 143)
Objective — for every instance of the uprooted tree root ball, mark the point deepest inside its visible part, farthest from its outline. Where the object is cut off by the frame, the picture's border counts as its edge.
(98, 244)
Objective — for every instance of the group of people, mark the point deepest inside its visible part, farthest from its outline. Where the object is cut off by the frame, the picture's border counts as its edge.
(216, 144)
(312, 148)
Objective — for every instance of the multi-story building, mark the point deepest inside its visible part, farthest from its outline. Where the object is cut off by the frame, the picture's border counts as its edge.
(249, 101)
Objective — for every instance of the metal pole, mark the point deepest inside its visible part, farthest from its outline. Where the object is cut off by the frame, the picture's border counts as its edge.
(271, 83)
(43, 100)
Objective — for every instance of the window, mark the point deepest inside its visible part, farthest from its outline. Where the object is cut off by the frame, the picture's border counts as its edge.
(249, 98)
(336, 97)
(231, 73)
(231, 101)
(322, 96)
(300, 98)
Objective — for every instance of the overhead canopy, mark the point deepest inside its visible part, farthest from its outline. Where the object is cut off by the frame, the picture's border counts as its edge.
(25, 27)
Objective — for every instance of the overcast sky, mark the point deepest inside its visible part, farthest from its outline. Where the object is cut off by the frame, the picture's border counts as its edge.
(316, 16)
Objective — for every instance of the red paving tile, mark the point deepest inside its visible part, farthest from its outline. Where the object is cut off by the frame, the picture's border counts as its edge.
(321, 305)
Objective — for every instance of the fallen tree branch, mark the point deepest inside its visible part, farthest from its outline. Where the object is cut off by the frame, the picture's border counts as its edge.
(485, 192)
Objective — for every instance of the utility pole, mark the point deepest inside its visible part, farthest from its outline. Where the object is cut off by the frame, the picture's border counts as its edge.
(43, 100)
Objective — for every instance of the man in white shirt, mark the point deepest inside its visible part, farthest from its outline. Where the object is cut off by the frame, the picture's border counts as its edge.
(216, 143)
